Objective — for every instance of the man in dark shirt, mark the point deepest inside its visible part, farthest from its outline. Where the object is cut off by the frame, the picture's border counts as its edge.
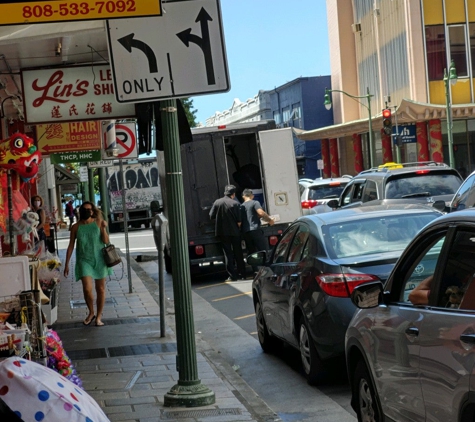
(252, 213)
(227, 214)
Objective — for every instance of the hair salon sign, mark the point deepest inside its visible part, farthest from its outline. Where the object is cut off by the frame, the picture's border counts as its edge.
(70, 94)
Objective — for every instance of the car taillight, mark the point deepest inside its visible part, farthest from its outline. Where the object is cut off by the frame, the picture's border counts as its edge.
(342, 285)
(273, 240)
(199, 250)
(306, 205)
(422, 171)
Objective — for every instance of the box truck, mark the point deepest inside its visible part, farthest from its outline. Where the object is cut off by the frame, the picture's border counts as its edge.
(251, 155)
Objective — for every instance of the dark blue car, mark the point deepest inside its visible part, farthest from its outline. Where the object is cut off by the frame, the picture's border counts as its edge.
(302, 289)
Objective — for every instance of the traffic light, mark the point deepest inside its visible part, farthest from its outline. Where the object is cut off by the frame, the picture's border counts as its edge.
(387, 121)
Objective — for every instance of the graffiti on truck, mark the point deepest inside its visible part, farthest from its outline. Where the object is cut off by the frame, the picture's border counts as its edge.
(141, 182)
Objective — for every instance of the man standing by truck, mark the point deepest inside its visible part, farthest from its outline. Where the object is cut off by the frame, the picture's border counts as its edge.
(252, 213)
(226, 212)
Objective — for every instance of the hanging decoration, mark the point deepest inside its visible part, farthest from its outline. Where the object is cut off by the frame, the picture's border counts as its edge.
(19, 153)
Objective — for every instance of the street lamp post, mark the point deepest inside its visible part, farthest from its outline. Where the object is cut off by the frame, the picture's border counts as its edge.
(328, 106)
(450, 78)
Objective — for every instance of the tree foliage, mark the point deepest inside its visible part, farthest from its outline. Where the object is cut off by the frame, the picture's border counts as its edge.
(190, 111)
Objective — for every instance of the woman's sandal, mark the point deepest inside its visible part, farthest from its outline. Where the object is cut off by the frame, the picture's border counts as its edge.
(100, 324)
(88, 322)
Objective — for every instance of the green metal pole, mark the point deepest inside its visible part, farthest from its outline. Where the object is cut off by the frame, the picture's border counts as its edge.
(188, 391)
(450, 138)
(85, 191)
(104, 193)
(372, 147)
(92, 194)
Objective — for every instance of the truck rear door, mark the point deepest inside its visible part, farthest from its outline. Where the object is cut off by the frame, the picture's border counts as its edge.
(204, 176)
(279, 174)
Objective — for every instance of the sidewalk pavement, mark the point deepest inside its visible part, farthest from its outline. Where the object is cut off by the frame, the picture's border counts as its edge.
(128, 368)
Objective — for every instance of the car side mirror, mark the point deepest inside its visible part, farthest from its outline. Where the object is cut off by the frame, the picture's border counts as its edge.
(257, 258)
(440, 206)
(368, 295)
(333, 203)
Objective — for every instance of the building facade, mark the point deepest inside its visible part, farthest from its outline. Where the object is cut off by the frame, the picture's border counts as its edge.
(399, 52)
(297, 104)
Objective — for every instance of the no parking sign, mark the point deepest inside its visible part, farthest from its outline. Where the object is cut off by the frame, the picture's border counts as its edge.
(126, 141)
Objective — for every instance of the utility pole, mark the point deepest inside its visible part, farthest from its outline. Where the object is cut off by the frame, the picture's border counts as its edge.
(189, 391)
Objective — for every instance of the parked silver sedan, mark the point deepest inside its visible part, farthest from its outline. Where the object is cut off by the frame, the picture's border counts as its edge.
(410, 348)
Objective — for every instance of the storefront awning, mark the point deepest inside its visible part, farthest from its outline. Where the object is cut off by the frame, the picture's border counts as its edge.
(407, 112)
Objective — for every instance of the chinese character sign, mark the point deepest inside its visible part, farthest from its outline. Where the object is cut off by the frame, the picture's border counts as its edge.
(71, 94)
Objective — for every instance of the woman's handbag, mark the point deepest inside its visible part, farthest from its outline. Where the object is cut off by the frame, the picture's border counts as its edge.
(111, 257)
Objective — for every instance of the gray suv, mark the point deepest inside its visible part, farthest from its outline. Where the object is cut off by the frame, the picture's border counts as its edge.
(412, 182)
(410, 348)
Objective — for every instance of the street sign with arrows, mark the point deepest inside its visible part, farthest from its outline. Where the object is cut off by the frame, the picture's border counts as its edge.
(179, 54)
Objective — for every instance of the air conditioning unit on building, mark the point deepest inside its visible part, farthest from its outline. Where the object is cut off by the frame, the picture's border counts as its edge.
(356, 27)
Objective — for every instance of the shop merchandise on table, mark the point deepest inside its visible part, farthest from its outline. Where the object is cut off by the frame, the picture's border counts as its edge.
(29, 273)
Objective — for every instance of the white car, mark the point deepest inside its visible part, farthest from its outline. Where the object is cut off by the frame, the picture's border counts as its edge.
(320, 191)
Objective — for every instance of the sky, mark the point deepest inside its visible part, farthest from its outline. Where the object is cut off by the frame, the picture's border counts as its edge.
(268, 43)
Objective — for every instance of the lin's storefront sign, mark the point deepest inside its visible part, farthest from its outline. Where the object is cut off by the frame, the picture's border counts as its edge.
(79, 93)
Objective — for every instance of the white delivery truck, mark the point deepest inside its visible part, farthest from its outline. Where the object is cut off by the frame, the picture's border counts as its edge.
(251, 155)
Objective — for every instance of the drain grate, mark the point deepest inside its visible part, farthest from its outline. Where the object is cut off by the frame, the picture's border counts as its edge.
(182, 414)
(81, 303)
(133, 350)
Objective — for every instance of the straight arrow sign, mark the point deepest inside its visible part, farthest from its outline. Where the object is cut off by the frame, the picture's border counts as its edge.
(169, 56)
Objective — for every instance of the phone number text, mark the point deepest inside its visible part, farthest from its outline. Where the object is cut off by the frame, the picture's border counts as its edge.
(79, 9)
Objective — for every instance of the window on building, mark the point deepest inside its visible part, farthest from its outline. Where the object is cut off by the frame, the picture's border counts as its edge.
(458, 49)
(296, 116)
(472, 45)
(286, 116)
(277, 117)
(436, 52)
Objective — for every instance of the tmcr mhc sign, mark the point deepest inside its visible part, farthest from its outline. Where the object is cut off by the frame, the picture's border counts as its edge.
(179, 54)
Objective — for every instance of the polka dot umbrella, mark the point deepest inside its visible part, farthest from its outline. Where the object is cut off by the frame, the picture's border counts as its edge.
(36, 393)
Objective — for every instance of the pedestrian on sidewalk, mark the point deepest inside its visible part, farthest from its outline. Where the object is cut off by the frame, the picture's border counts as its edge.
(91, 235)
(37, 206)
(252, 213)
(70, 212)
(227, 214)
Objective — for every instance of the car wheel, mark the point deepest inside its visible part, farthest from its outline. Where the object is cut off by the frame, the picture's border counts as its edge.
(311, 363)
(266, 341)
(366, 401)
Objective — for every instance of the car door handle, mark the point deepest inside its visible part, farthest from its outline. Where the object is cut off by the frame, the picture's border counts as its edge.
(412, 331)
(468, 338)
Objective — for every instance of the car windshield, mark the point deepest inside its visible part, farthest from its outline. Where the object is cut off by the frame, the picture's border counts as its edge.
(422, 185)
(325, 191)
(373, 235)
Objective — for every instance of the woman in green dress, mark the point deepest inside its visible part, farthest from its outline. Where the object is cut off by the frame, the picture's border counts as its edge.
(91, 235)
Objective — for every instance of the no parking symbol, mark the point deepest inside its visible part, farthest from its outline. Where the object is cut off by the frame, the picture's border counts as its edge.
(126, 140)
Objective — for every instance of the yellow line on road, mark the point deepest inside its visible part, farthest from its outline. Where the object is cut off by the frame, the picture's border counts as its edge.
(244, 317)
(232, 297)
(210, 285)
